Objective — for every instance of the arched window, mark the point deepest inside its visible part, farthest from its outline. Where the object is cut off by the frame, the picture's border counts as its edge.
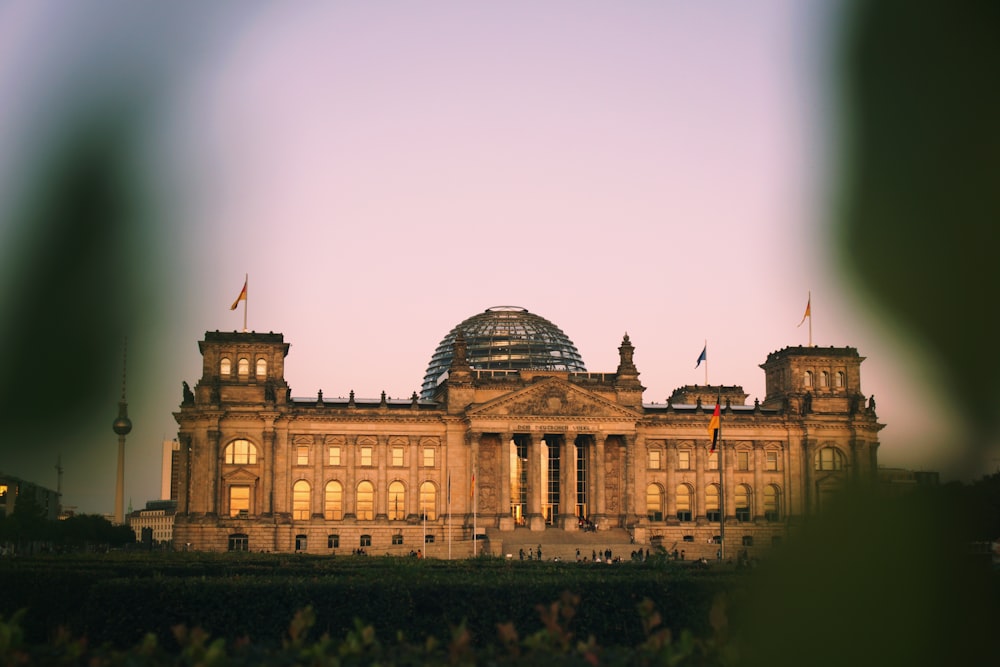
(333, 501)
(397, 501)
(712, 512)
(824, 379)
(241, 452)
(261, 368)
(839, 380)
(772, 506)
(654, 502)
(428, 501)
(243, 366)
(807, 380)
(742, 498)
(684, 502)
(300, 500)
(225, 366)
(829, 458)
(365, 501)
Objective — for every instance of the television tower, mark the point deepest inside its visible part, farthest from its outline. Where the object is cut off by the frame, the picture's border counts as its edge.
(122, 426)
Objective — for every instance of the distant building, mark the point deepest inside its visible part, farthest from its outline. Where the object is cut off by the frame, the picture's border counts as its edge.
(511, 438)
(155, 522)
(14, 488)
(899, 481)
(169, 469)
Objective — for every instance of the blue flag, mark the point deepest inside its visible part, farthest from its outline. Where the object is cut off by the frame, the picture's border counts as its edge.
(703, 356)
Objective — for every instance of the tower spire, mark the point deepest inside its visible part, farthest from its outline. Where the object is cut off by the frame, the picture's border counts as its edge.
(122, 426)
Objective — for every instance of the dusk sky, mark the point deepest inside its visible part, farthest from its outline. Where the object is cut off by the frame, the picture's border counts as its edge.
(382, 171)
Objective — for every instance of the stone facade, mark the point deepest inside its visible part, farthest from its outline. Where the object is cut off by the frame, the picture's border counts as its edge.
(511, 453)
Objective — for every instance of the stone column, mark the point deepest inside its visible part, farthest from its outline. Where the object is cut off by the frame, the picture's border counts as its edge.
(757, 500)
(350, 479)
(214, 481)
(413, 453)
(265, 505)
(700, 464)
(318, 504)
(600, 489)
(567, 484)
(535, 519)
(670, 506)
(381, 486)
(506, 521)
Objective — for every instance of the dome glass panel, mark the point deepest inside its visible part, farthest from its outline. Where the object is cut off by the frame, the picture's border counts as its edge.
(505, 338)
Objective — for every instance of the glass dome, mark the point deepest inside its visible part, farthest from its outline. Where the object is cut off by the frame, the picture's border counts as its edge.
(505, 338)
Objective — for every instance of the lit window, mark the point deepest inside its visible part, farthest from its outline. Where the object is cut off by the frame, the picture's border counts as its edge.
(684, 502)
(742, 498)
(239, 500)
(829, 458)
(771, 461)
(365, 501)
(366, 456)
(333, 503)
(654, 459)
(654, 502)
(713, 460)
(225, 367)
(397, 501)
(743, 460)
(300, 500)
(397, 456)
(771, 506)
(302, 455)
(428, 501)
(839, 380)
(684, 459)
(334, 456)
(807, 380)
(244, 366)
(261, 368)
(712, 512)
(241, 452)
(428, 457)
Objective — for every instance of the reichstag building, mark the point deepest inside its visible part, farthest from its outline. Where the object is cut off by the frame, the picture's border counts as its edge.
(512, 442)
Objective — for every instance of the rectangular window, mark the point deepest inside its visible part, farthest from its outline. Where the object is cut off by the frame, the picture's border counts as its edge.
(713, 460)
(771, 461)
(239, 500)
(428, 457)
(366, 540)
(333, 541)
(684, 459)
(366, 456)
(743, 460)
(654, 459)
(397, 456)
(302, 455)
(397, 539)
(334, 456)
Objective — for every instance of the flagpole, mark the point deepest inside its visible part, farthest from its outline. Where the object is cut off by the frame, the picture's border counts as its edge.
(246, 284)
(810, 320)
(706, 362)
(475, 541)
(722, 493)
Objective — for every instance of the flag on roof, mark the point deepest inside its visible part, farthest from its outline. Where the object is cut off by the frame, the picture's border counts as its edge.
(713, 427)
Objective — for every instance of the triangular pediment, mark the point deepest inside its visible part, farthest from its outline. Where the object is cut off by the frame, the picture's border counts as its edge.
(241, 476)
(552, 397)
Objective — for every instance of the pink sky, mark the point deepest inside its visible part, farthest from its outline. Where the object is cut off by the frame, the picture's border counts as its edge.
(383, 171)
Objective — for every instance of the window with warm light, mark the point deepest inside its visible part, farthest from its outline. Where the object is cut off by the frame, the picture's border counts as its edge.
(334, 456)
(684, 459)
(829, 458)
(654, 502)
(261, 368)
(225, 367)
(244, 366)
(302, 455)
(397, 501)
(300, 500)
(743, 460)
(366, 456)
(684, 502)
(428, 457)
(239, 500)
(428, 501)
(654, 459)
(240, 452)
(333, 501)
(771, 461)
(712, 512)
(365, 501)
(397, 457)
